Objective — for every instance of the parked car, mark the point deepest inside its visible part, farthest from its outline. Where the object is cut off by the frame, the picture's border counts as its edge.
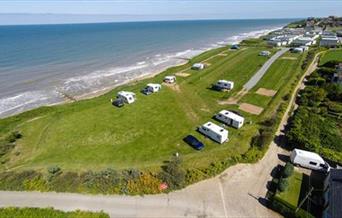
(194, 142)
(146, 91)
(118, 102)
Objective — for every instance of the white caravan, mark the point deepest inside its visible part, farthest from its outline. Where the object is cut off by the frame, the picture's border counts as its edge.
(127, 97)
(214, 132)
(170, 79)
(198, 66)
(230, 118)
(309, 160)
(224, 85)
(265, 53)
(152, 88)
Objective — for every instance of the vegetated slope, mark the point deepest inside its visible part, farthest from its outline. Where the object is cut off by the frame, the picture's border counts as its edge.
(93, 134)
(279, 77)
(331, 56)
(47, 212)
(316, 125)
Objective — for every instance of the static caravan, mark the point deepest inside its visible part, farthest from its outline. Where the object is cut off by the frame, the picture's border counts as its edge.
(265, 53)
(151, 88)
(309, 160)
(170, 79)
(127, 97)
(223, 85)
(198, 66)
(329, 42)
(214, 132)
(230, 118)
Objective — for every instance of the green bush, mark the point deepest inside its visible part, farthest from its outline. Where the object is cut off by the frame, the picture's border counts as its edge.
(173, 174)
(283, 184)
(54, 170)
(288, 170)
(12, 212)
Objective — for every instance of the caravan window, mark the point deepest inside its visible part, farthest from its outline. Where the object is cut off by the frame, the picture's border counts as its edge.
(313, 163)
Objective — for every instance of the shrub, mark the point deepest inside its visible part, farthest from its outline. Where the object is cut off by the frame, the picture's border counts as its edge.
(286, 97)
(283, 184)
(173, 173)
(194, 175)
(288, 170)
(146, 183)
(13, 136)
(54, 170)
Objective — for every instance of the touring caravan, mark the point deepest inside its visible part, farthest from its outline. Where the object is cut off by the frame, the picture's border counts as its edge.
(230, 118)
(198, 66)
(309, 160)
(265, 53)
(127, 97)
(223, 85)
(151, 88)
(170, 79)
(214, 132)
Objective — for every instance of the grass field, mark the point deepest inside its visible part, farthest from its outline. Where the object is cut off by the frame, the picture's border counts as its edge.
(92, 134)
(277, 77)
(291, 195)
(13, 212)
(331, 55)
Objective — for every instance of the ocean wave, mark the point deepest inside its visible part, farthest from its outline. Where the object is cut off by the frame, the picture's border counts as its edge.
(93, 82)
(24, 101)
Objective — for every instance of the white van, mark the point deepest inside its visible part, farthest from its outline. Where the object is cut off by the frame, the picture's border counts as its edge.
(309, 160)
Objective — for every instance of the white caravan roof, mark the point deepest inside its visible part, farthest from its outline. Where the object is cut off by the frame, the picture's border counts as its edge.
(215, 128)
(153, 85)
(198, 65)
(232, 115)
(169, 77)
(308, 154)
(224, 81)
(126, 94)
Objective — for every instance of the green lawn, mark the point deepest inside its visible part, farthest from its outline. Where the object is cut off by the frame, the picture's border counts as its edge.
(277, 77)
(291, 195)
(331, 55)
(92, 134)
(12, 212)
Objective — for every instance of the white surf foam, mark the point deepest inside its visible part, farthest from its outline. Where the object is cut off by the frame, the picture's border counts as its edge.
(104, 79)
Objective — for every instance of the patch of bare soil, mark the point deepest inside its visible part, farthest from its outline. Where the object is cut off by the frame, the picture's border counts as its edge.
(183, 74)
(266, 92)
(173, 86)
(234, 99)
(250, 108)
(289, 58)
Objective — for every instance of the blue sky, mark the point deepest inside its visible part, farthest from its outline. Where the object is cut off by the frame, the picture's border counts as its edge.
(66, 11)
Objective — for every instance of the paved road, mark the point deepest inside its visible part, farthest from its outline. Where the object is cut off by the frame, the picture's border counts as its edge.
(237, 192)
(258, 75)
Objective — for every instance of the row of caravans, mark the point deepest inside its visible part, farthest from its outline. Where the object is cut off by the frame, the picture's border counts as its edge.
(129, 97)
(126, 97)
(217, 133)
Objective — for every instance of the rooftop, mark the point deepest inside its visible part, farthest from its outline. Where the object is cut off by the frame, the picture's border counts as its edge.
(232, 115)
(215, 128)
(125, 93)
(335, 193)
(307, 154)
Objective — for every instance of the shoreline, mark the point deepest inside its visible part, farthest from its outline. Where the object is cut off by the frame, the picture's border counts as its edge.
(181, 59)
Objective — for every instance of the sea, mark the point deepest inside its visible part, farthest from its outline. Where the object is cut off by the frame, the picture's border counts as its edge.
(41, 64)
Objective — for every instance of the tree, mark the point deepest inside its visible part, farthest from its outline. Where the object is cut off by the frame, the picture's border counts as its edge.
(288, 170)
